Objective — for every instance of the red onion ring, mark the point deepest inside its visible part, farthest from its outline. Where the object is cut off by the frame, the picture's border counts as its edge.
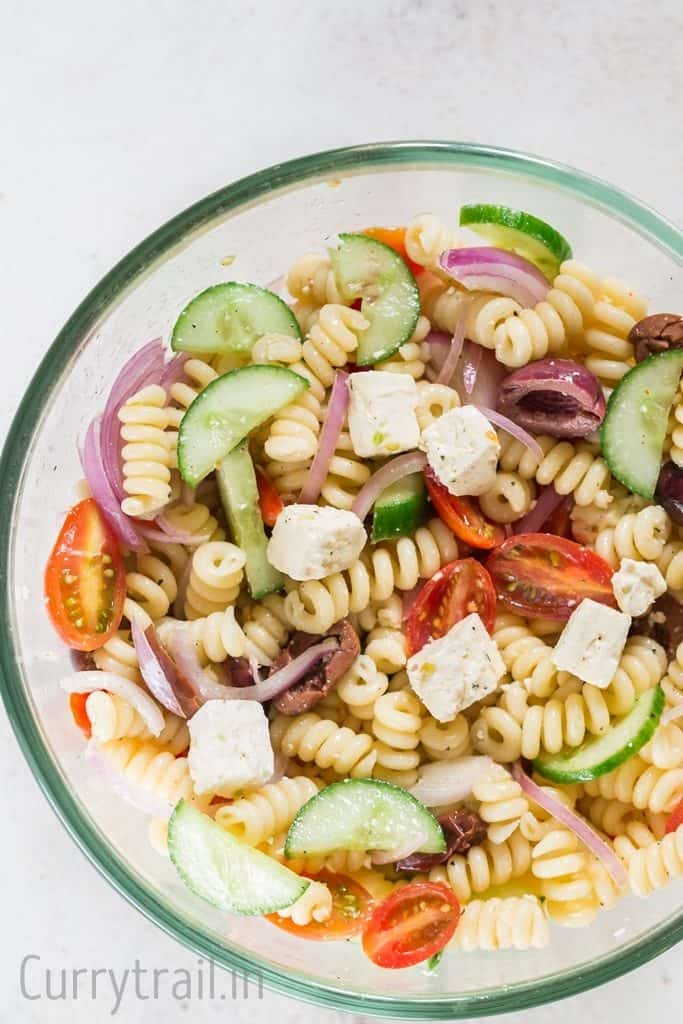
(514, 429)
(486, 268)
(334, 421)
(548, 501)
(395, 469)
(455, 351)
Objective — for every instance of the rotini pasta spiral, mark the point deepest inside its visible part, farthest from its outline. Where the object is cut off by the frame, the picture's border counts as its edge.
(484, 866)
(151, 589)
(396, 725)
(444, 741)
(501, 803)
(311, 280)
(119, 656)
(315, 605)
(426, 238)
(638, 535)
(388, 648)
(293, 433)
(266, 628)
(665, 749)
(640, 784)
(655, 865)
(510, 498)
(198, 375)
(517, 922)
(433, 400)
(526, 656)
(672, 683)
(146, 454)
(610, 354)
(641, 666)
(412, 357)
(347, 474)
(361, 686)
(315, 904)
(563, 868)
(113, 718)
(195, 519)
(331, 340)
(158, 772)
(572, 469)
(311, 738)
(215, 578)
(267, 811)
(217, 636)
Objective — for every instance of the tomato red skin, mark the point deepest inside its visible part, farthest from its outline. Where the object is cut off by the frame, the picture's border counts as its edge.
(395, 238)
(74, 560)
(675, 819)
(427, 620)
(270, 502)
(559, 521)
(391, 919)
(545, 576)
(462, 516)
(79, 711)
(339, 925)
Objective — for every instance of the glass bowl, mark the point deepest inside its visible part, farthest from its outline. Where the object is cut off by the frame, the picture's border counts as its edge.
(265, 221)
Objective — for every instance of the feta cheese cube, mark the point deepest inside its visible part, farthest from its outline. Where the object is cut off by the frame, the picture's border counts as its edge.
(383, 413)
(456, 670)
(309, 542)
(591, 643)
(229, 747)
(462, 448)
(637, 585)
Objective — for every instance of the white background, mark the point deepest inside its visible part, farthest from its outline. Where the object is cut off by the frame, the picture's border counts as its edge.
(114, 117)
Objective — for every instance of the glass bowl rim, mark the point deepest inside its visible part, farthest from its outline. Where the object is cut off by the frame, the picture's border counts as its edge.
(293, 173)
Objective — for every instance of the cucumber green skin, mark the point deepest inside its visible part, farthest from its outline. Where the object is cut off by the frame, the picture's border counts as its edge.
(393, 314)
(400, 509)
(240, 396)
(621, 431)
(251, 312)
(199, 848)
(519, 232)
(558, 768)
(239, 494)
(332, 802)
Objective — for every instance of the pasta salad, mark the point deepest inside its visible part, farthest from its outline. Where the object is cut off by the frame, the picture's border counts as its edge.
(376, 581)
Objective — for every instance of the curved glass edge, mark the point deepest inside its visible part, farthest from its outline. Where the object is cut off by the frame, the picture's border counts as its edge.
(246, 190)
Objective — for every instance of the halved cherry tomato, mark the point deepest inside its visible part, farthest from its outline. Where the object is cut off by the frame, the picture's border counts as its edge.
(270, 502)
(351, 906)
(544, 576)
(79, 711)
(457, 590)
(85, 581)
(411, 925)
(675, 819)
(395, 238)
(462, 515)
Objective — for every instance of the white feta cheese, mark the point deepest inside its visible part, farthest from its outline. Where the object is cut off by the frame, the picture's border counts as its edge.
(462, 448)
(591, 643)
(637, 585)
(456, 670)
(309, 542)
(383, 413)
(229, 747)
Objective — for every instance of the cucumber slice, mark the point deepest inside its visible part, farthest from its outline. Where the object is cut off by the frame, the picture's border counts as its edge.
(603, 754)
(225, 411)
(362, 814)
(519, 232)
(634, 429)
(226, 872)
(239, 494)
(400, 509)
(230, 317)
(369, 270)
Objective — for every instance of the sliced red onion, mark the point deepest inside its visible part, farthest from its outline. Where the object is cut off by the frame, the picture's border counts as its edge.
(145, 367)
(187, 660)
(169, 533)
(161, 673)
(514, 429)
(553, 396)
(334, 421)
(455, 351)
(174, 370)
(488, 269)
(142, 799)
(445, 782)
(88, 682)
(602, 850)
(471, 366)
(101, 490)
(390, 473)
(548, 501)
(401, 852)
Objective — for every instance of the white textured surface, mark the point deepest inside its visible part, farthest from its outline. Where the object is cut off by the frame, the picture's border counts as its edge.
(116, 116)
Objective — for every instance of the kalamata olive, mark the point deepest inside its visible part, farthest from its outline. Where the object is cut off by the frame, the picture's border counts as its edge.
(663, 623)
(553, 396)
(305, 693)
(657, 333)
(463, 829)
(669, 490)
